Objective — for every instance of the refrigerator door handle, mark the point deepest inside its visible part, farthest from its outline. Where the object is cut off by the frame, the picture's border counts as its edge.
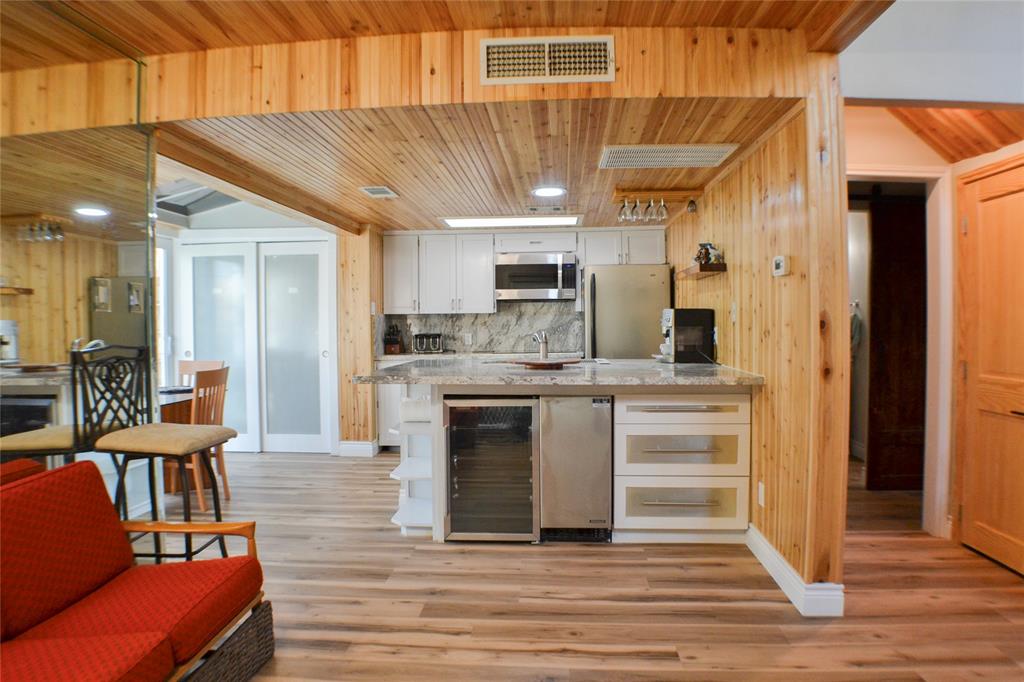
(593, 315)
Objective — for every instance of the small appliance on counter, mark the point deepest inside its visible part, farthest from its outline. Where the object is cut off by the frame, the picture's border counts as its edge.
(689, 335)
(427, 343)
(8, 342)
(392, 341)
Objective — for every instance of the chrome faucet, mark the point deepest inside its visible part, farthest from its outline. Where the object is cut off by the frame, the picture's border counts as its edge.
(541, 338)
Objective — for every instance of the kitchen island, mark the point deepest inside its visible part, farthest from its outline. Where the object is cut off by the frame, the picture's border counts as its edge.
(680, 441)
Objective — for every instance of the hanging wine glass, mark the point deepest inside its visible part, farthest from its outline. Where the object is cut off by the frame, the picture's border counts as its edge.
(662, 211)
(624, 211)
(637, 212)
(650, 212)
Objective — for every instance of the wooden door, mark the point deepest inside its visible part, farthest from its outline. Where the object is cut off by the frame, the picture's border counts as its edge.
(990, 400)
(897, 344)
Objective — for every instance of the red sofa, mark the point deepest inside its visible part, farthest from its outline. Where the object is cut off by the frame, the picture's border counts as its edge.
(73, 604)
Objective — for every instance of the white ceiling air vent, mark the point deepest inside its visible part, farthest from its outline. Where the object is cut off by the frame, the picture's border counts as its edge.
(665, 155)
(552, 59)
(380, 192)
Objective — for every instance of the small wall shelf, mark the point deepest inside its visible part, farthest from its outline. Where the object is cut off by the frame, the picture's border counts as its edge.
(13, 291)
(701, 270)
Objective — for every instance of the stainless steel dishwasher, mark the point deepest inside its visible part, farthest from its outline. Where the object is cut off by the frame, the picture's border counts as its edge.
(576, 468)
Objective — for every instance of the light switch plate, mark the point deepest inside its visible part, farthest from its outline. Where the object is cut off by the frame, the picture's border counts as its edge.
(780, 266)
(733, 312)
(760, 493)
(467, 338)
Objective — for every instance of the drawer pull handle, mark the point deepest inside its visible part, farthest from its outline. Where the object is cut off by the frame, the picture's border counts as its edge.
(680, 408)
(671, 451)
(659, 503)
(1017, 413)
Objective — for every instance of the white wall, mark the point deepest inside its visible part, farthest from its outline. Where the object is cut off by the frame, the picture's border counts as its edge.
(957, 51)
(240, 215)
(874, 137)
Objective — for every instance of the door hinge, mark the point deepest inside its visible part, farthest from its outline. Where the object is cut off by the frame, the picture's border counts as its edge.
(963, 370)
(963, 225)
(960, 514)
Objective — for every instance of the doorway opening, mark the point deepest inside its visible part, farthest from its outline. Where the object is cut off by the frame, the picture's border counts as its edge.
(887, 242)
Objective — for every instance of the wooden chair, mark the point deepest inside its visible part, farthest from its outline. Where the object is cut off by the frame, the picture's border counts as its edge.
(209, 391)
(187, 369)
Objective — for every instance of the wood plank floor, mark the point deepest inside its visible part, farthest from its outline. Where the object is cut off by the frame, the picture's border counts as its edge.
(353, 600)
(879, 509)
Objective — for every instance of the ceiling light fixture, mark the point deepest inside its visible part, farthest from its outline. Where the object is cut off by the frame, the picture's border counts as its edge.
(92, 212)
(514, 221)
(548, 191)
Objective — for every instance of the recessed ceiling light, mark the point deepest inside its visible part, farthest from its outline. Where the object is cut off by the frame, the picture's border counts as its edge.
(515, 221)
(548, 191)
(92, 212)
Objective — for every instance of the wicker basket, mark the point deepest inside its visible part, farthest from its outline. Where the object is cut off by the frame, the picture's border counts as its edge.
(242, 655)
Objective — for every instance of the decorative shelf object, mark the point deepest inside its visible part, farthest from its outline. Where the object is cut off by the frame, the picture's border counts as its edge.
(15, 291)
(701, 270)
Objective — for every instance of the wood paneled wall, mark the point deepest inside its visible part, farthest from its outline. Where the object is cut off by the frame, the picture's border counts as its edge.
(790, 329)
(57, 312)
(360, 295)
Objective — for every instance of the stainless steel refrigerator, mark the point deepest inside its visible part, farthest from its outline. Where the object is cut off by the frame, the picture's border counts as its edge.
(622, 307)
(117, 310)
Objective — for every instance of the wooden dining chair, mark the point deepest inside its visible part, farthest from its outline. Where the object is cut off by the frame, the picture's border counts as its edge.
(187, 369)
(209, 391)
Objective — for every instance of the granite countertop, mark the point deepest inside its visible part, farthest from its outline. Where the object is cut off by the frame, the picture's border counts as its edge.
(482, 371)
(14, 377)
(447, 355)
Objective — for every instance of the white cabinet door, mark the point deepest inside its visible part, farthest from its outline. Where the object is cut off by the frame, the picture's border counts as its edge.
(438, 274)
(476, 273)
(401, 278)
(601, 248)
(643, 247)
(535, 242)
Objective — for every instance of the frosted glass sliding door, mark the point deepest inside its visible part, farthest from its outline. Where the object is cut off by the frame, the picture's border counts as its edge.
(217, 306)
(295, 347)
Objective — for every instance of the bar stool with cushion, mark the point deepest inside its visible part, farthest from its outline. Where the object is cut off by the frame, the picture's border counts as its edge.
(109, 391)
(170, 441)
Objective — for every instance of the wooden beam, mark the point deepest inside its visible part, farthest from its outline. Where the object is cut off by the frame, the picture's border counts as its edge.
(218, 170)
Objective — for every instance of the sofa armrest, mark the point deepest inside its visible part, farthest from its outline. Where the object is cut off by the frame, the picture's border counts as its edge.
(246, 529)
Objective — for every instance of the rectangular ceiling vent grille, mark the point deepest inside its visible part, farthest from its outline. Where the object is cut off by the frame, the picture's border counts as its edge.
(379, 192)
(665, 155)
(555, 59)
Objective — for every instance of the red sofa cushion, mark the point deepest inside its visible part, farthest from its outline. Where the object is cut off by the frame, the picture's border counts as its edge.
(190, 601)
(135, 657)
(60, 539)
(19, 468)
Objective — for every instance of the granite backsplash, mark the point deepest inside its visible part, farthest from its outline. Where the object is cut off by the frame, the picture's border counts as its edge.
(506, 331)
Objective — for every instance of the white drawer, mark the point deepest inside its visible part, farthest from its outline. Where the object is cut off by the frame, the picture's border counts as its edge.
(683, 409)
(536, 242)
(682, 449)
(681, 502)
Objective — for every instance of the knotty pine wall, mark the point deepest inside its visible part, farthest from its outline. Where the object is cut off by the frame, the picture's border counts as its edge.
(762, 209)
(360, 292)
(58, 311)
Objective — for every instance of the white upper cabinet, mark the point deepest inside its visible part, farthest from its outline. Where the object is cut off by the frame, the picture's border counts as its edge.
(401, 274)
(535, 242)
(600, 248)
(643, 247)
(438, 291)
(475, 257)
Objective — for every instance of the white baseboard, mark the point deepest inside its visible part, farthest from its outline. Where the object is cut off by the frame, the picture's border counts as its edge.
(357, 448)
(812, 600)
(718, 537)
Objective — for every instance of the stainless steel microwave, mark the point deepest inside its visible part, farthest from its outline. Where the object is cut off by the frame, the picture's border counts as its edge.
(535, 276)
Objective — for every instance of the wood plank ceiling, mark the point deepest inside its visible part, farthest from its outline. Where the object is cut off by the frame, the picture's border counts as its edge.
(957, 134)
(54, 173)
(32, 39)
(477, 159)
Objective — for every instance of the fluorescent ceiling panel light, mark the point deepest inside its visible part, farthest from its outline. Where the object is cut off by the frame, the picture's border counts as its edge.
(92, 212)
(548, 191)
(515, 221)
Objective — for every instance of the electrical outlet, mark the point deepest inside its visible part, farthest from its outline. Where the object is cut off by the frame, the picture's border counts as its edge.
(467, 338)
(760, 493)
(733, 312)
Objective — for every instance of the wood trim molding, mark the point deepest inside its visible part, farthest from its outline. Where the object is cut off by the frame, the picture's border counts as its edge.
(223, 173)
(812, 600)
